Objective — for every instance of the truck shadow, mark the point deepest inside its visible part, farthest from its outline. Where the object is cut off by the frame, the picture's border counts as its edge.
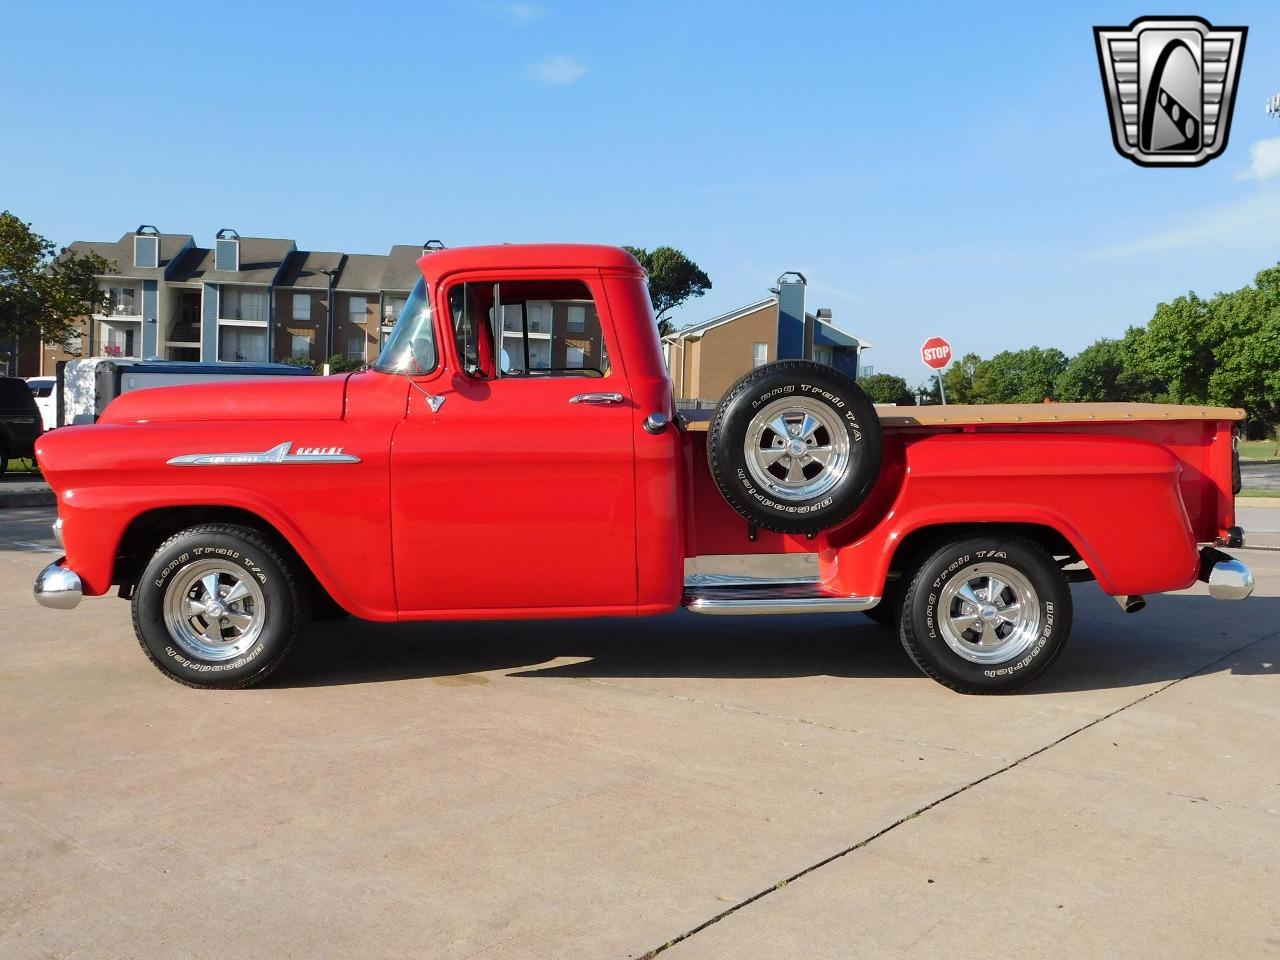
(1173, 637)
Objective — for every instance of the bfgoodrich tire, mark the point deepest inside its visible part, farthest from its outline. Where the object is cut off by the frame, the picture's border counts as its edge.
(794, 446)
(219, 605)
(986, 615)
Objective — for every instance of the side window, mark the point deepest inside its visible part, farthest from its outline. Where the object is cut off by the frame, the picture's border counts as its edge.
(528, 328)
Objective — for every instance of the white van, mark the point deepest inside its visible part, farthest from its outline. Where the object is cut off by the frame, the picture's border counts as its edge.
(44, 389)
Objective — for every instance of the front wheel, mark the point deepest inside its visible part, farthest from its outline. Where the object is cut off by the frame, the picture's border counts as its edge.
(218, 605)
(986, 615)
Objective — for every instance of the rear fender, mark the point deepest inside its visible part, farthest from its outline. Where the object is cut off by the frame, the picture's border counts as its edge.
(1116, 500)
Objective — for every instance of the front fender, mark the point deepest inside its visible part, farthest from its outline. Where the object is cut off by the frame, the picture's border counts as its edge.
(1116, 500)
(355, 574)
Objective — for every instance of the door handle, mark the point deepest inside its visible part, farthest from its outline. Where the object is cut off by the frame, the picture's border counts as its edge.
(597, 398)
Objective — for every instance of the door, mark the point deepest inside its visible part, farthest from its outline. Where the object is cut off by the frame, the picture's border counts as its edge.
(517, 494)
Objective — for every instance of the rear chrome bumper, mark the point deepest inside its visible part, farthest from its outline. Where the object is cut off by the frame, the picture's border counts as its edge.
(1228, 578)
(58, 586)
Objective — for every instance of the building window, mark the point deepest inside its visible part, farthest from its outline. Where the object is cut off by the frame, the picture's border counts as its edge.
(249, 306)
(574, 356)
(392, 309)
(300, 341)
(122, 302)
(355, 348)
(577, 319)
(358, 310)
(242, 345)
(540, 317)
(120, 342)
(759, 354)
(302, 306)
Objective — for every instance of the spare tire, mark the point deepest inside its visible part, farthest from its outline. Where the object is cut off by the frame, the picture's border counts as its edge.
(794, 446)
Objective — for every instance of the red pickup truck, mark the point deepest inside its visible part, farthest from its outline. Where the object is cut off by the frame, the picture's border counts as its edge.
(514, 453)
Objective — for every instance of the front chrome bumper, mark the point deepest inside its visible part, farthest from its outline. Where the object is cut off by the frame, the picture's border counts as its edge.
(1228, 578)
(58, 586)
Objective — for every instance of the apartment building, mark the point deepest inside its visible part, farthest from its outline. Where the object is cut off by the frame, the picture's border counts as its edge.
(705, 359)
(238, 300)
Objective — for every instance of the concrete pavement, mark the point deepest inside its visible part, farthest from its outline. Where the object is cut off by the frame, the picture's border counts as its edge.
(771, 787)
(1260, 475)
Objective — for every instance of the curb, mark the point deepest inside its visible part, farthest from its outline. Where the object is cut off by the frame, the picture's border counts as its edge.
(1265, 503)
(27, 498)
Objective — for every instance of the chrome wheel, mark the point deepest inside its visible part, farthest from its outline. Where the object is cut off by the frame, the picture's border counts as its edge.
(989, 613)
(797, 448)
(214, 610)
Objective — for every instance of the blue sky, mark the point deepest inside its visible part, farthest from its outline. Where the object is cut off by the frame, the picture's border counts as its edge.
(932, 169)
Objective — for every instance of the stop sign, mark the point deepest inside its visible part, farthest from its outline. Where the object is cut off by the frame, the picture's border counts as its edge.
(936, 353)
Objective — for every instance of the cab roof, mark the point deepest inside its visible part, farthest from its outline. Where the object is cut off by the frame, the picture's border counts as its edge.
(515, 256)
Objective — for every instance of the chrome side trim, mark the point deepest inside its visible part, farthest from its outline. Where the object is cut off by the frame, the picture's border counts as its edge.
(277, 454)
(697, 581)
(746, 596)
(58, 586)
(57, 531)
(734, 606)
(1230, 580)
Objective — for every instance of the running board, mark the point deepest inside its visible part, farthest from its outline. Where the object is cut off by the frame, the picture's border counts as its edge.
(746, 596)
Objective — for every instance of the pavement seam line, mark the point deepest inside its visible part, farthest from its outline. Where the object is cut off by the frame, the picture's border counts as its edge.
(941, 800)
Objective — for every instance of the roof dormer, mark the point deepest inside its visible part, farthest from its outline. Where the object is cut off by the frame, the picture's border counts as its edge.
(226, 251)
(146, 247)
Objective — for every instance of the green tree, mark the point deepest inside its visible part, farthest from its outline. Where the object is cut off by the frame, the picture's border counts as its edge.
(958, 378)
(1018, 376)
(673, 279)
(1245, 338)
(886, 388)
(44, 291)
(1177, 348)
(1105, 371)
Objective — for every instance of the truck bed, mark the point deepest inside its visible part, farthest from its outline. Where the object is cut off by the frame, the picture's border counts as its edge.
(1008, 414)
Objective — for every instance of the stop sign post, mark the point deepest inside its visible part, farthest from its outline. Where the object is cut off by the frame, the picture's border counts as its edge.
(936, 354)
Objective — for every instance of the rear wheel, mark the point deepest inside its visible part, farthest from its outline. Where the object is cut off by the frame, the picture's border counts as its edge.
(986, 615)
(219, 605)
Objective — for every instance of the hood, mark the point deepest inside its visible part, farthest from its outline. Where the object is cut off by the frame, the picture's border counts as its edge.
(269, 398)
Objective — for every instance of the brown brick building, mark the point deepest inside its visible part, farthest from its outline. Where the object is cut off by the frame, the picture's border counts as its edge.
(705, 359)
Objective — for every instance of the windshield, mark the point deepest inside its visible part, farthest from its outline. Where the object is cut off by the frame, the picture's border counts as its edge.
(411, 348)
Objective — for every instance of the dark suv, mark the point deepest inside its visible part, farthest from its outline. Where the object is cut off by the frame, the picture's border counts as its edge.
(20, 424)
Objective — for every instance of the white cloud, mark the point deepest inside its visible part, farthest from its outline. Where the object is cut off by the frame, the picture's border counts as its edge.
(558, 71)
(515, 14)
(1264, 160)
(1252, 221)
